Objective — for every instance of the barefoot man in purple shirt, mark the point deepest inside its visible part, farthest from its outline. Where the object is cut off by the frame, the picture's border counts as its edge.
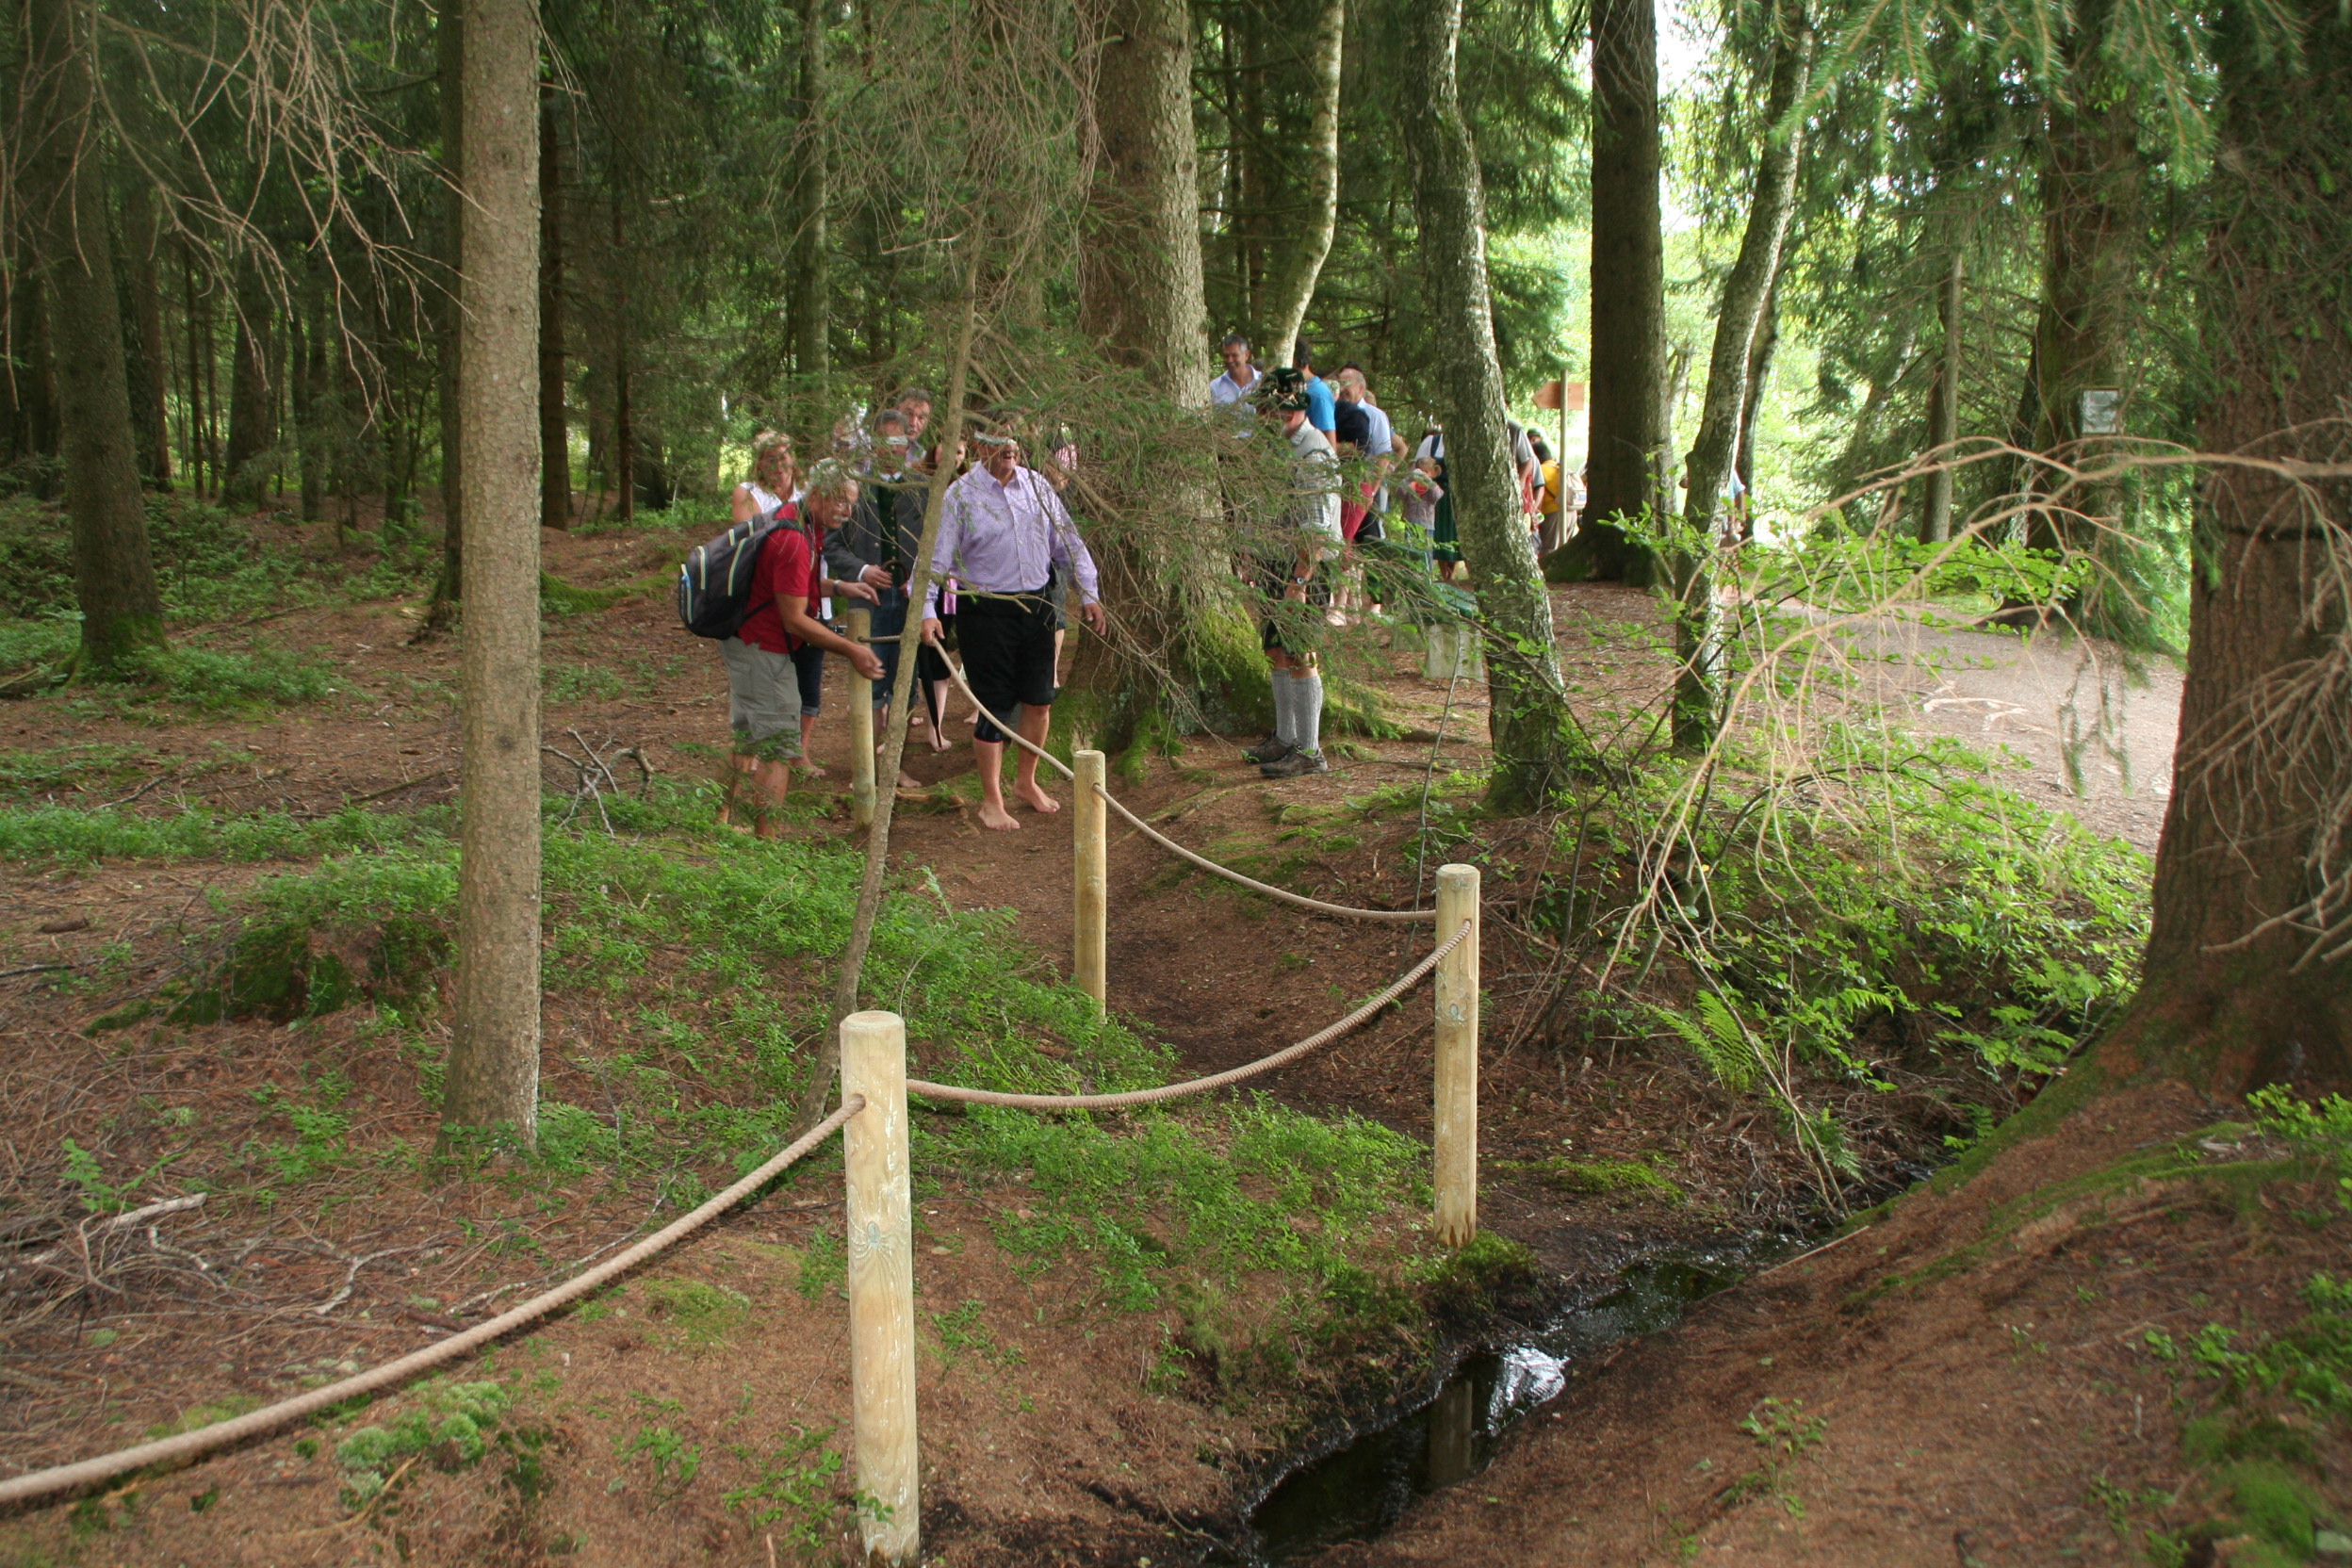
(1005, 536)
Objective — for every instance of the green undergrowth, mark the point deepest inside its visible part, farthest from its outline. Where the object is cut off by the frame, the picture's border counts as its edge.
(189, 676)
(1273, 1246)
(73, 835)
(209, 566)
(710, 956)
(1897, 913)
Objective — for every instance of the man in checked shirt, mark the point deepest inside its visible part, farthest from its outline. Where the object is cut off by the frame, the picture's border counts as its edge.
(1005, 538)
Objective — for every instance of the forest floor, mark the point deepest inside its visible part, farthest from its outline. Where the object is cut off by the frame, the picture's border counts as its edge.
(699, 1414)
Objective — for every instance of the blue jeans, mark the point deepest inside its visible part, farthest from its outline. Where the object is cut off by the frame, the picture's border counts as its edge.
(888, 619)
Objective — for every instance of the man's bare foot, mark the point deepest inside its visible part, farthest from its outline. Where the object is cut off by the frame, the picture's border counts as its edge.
(997, 820)
(907, 782)
(1039, 800)
(810, 770)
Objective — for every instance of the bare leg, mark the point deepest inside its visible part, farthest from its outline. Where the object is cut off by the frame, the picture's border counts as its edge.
(739, 770)
(807, 726)
(935, 711)
(1034, 722)
(881, 726)
(774, 783)
(990, 756)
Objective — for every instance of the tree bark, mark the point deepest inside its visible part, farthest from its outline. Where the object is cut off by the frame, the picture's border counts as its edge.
(1141, 298)
(1943, 407)
(1628, 288)
(154, 357)
(114, 576)
(1529, 717)
(31, 385)
(811, 303)
(1291, 277)
(2246, 978)
(494, 1050)
(1759, 380)
(624, 414)
(1139, 272)
(252, 398)
(1699, 677)
(555, 450)
(449, 389)
(196, 457)
(309, 322)
(2090, 163)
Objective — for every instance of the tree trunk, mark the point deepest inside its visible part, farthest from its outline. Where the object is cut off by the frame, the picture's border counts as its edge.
(154, 357)
(1759, 380)
(1943, 408)
(114, 576)
(1141, 296)
(1530, 721)
(31, 388)
(1139, 271)
(2090, 162)
(1296, 266)
(811, 302)
(494, 1050)
(449, 386)
(310, 322)
(2246, 978)
(252, 398)
(1698, 699)
(196, 454)
(1629, 282)
(555, 450)
(624, 415)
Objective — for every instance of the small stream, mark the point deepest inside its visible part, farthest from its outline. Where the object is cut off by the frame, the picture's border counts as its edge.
(1362, 1487)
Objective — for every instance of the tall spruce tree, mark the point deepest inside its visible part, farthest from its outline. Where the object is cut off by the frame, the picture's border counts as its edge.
(1529, 718)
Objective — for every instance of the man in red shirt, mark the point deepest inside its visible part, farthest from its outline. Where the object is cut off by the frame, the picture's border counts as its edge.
(762, 686)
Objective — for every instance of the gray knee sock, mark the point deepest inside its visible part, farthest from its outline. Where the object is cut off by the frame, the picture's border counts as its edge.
(1307, 711)
(1285, 709)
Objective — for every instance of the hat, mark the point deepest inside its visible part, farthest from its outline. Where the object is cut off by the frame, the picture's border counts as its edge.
(1283, 390)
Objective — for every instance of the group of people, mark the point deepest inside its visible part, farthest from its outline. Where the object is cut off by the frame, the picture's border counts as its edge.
(1003, 570)
(1009, 568)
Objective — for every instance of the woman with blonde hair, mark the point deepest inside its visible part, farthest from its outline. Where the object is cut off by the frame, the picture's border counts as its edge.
(775, 481)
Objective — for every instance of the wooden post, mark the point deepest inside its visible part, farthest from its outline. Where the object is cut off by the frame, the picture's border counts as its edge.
(1456, 1154)
(1090, 880)
(881, 1285)
(860, 726)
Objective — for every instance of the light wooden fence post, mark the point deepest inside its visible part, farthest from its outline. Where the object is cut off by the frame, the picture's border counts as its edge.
(1090, 879)
(860, 728)
(881, 1285)
(1457, 1153)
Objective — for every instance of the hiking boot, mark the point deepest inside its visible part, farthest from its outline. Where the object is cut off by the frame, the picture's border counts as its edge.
(1296, 764)
(1272, 749)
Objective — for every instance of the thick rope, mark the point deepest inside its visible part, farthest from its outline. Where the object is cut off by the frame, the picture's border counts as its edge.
(1301, 900)
(203, 1439)
(1196, 1085)
(1283, 894)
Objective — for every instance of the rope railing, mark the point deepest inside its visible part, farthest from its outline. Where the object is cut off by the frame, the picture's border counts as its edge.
(204, 1440)
(1284, 894)
(1198, 1085)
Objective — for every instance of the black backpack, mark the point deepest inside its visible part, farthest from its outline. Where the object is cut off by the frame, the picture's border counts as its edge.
(714, 585)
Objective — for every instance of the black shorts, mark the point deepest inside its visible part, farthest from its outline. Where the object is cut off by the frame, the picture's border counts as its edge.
(1274, 581)
(1008, 654)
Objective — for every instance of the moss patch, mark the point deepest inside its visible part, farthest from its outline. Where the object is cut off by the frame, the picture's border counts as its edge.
(1601, 1178)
